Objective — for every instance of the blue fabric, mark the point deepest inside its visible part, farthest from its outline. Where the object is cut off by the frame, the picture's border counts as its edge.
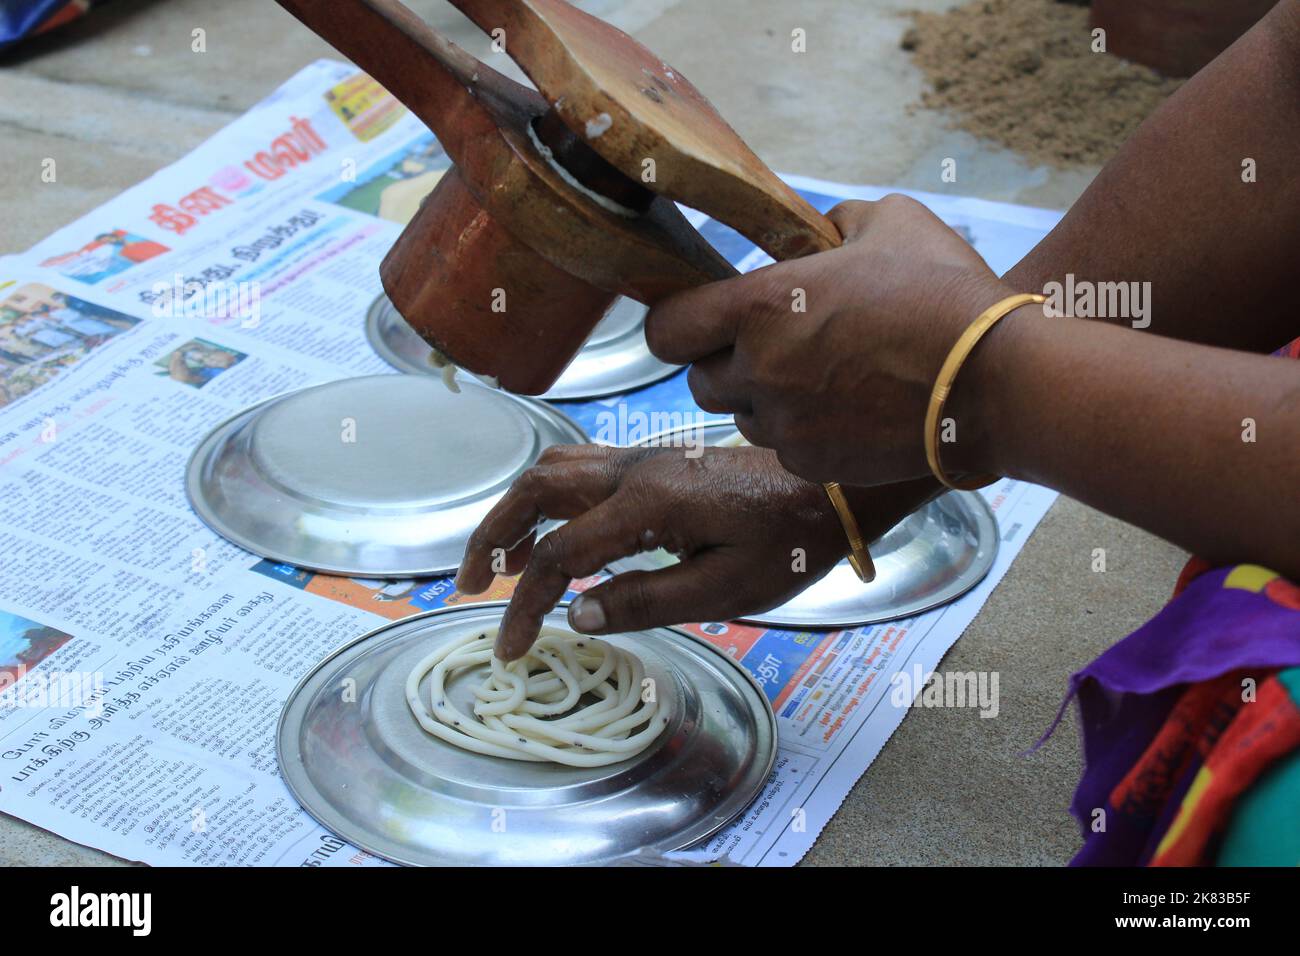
(20, 18)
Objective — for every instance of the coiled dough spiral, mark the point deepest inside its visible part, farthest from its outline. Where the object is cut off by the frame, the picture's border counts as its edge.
(549, 682)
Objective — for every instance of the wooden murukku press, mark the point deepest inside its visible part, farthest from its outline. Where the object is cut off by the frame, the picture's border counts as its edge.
(561, 199)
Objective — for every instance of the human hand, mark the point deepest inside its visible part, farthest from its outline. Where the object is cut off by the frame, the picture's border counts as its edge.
(749, 536)
(840, 390)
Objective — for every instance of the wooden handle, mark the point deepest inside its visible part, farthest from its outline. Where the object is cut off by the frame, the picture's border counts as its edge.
(631, 107)
(824, 240)
(461, 99)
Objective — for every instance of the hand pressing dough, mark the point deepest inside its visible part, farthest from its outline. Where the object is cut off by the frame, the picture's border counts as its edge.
(549, 682)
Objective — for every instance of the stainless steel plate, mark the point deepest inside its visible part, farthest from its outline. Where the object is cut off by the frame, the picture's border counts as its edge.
(929, 558)
(380, 476)
(353, 755)
(615, 358)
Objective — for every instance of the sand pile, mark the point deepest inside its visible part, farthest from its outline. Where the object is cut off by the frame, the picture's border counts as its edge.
(1023, 73)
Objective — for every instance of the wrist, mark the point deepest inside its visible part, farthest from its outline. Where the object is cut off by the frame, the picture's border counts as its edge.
(979, 415)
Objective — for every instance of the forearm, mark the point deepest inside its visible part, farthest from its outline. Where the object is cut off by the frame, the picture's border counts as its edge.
(1196, 444)
(1172, 209)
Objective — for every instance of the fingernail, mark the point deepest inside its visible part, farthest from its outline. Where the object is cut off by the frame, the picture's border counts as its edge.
(586, 615)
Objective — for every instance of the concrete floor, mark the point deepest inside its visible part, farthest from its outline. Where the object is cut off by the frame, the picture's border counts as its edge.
(121, 94)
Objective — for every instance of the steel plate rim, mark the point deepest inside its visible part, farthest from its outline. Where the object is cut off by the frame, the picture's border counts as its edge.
(985, 523)
(557, 393)
(220, 430)
(748, 678)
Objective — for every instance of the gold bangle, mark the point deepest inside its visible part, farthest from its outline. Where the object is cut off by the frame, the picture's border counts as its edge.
(859, 556)
(943, 385)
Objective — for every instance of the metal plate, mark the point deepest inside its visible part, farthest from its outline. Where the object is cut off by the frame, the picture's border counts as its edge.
(380, 476)
(929, 558)
(356, 759)
(615, 359)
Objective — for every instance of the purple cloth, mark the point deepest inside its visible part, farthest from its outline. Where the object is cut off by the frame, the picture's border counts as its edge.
(1126, 694)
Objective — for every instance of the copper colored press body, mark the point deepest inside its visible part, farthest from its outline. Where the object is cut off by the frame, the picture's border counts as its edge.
(512, 309)
(561, 201)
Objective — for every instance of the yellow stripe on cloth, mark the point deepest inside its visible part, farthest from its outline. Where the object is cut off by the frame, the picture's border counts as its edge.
(1186, 810)
(1250, 577)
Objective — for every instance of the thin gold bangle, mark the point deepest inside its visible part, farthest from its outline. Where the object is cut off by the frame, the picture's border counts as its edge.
(943, 385)
(859, 556)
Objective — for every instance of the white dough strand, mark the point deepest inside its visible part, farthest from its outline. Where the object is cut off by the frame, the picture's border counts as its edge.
(530, 709)
(733, 441)
(447, 367)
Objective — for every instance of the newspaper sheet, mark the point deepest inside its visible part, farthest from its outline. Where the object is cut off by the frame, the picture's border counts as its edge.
(143, 659)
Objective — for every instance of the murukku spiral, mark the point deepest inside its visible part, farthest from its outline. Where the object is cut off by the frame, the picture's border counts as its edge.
(532, 708)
